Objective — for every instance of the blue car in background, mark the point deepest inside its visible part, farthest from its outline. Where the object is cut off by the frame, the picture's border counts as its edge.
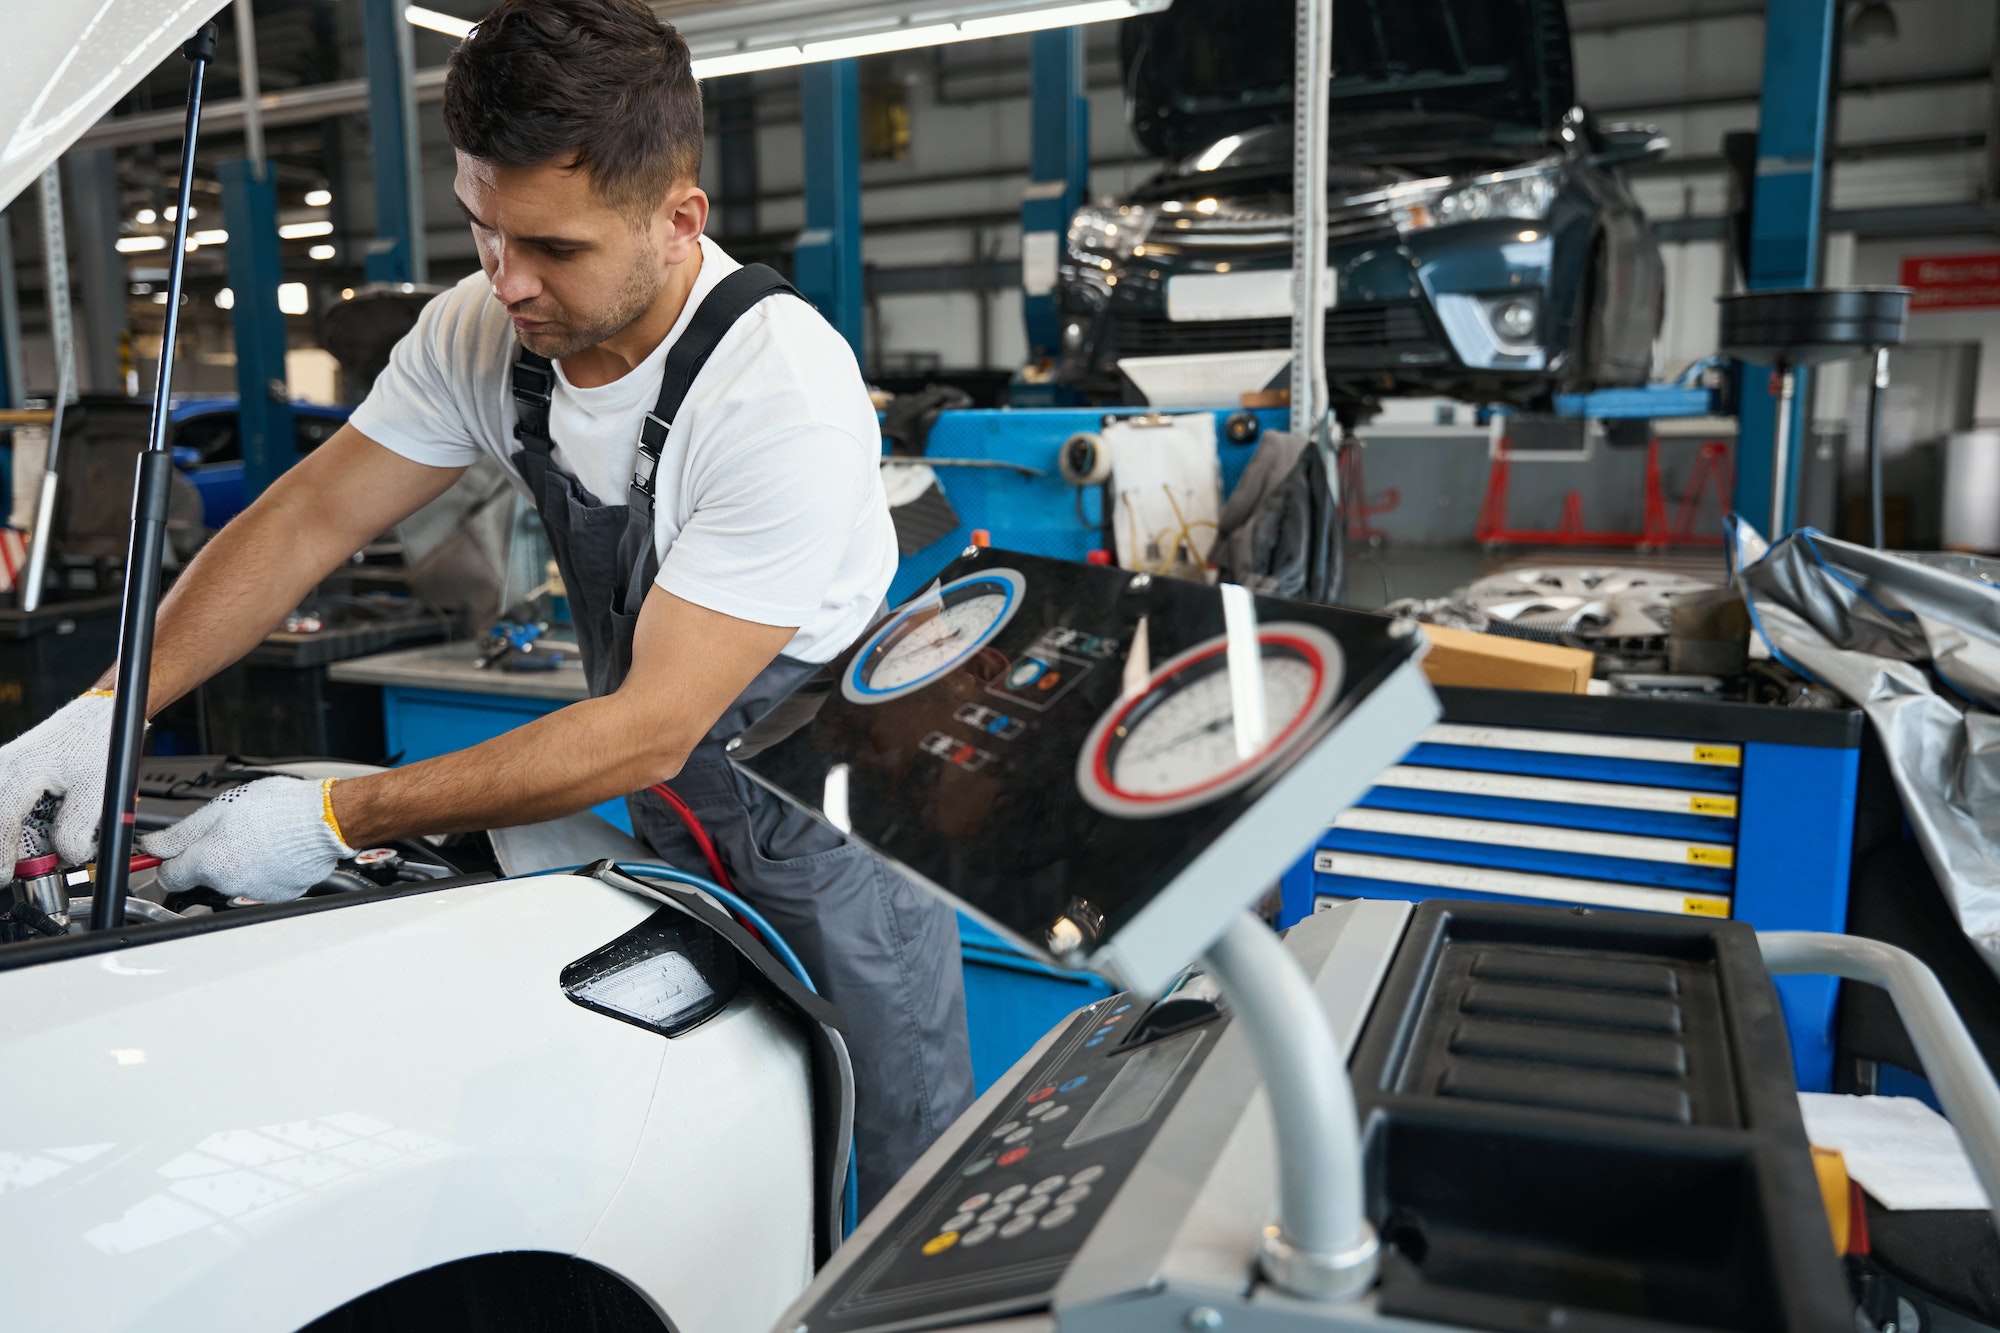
(209, 452)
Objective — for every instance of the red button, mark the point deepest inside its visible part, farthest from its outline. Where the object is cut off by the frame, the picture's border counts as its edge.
(1012, 1155)
(1042, 1094)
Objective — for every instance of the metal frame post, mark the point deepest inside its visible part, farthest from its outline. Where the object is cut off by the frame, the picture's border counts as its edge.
(1792, 131)
(1059, 179)
(736, 135)
(397, 253)
(826, 267)
(1312, 70)
(12, 388)
(263, 402)
(91, 179)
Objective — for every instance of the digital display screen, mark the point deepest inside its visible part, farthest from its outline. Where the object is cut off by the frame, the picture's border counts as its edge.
(1133, 1095)
(1051, 744)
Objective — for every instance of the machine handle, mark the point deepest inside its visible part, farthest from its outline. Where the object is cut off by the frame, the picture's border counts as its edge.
(1953, 1063)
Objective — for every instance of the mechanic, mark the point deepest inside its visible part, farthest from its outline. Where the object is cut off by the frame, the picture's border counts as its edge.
(703, 453)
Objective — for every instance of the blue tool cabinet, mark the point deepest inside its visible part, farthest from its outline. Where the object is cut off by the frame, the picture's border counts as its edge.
(1720, 809)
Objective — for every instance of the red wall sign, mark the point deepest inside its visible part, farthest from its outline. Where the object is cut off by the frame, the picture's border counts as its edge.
(1952, 282)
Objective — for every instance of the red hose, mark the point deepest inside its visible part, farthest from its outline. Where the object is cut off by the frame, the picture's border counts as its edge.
(695, 831)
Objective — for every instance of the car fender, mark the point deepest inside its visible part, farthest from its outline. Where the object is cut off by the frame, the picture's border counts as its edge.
(247, 1127)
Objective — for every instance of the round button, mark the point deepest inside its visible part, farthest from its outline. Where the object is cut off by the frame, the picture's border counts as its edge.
(1090, 1175)
(1101, 1031)
(1034, 1203)
(975, 1203)
(1056, 1216)
(1011, 1156)
(1121, 1008)
(1047, 1185)
(1011, 1193)
(1004, 1130)
(1021, 1135)
(978, 1235)
(1027, 673)
(975, 1166)
(1074, 1194)
(939, 1244)
(1017, 1226)
(999, 1212)
(1094, 1041)
(1076, 1083)
(1037, 1110)
(1056, 1112)
(959, 1222)
(1042, 1094)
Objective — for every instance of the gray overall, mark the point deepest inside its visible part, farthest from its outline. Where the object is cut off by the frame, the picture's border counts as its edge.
(883, 950)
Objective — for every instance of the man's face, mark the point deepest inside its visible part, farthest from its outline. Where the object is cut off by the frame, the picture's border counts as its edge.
(571, 269)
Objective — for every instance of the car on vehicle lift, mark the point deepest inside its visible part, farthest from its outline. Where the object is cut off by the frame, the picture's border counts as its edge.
(1482, 242)
(208, 448)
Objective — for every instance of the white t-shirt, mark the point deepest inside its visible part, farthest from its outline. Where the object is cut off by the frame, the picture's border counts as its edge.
(768, 502)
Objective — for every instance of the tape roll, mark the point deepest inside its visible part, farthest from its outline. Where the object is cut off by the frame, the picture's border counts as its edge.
(1083, 460)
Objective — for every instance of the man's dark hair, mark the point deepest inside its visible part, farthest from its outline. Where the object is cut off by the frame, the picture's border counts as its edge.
(598, 85)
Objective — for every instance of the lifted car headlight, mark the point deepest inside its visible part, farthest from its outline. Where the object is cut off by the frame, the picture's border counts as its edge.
(1525, 195)
(1104, 237)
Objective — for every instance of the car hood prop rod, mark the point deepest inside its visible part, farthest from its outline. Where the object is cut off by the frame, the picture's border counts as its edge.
(142, 562)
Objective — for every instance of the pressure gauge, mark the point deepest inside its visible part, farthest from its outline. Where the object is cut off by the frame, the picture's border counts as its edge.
(1174, 745)
(928, 640)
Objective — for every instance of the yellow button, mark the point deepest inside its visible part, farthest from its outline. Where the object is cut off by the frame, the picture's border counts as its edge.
(941, 1242)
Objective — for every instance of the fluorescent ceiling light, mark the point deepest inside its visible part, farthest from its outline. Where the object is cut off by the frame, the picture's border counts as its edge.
(910, 37)
(145, 217)
(139, 245)
(321, 252)
(225, 299)
(436, 22)
(215, 237)
(299, 231)
(292, 298)
(318, 198)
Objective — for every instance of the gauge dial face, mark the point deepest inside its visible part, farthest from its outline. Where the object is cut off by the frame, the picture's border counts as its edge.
(928, 640)
(1174, 745)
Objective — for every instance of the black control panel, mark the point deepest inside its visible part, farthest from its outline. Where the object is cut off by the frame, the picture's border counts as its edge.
(994, 1231)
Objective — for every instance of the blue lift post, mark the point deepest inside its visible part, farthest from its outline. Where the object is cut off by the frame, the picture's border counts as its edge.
(397, 252)
(1787, 202)
(826, 267)
(263, 407)
(1059, 179)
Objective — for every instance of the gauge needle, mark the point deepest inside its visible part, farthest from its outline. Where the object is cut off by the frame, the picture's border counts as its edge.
(1192, 733)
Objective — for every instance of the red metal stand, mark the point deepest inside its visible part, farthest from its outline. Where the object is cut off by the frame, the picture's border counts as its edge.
(1711, 469)
(1360, 506)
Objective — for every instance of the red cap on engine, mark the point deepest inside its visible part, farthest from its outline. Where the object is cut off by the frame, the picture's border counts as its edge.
(36, 867)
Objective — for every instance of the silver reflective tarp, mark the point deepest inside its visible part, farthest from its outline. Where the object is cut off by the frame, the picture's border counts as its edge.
(1915, 642)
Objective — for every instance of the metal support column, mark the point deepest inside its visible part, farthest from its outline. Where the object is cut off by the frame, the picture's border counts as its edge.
(12, 388)
(91, 181)
(736, 133)
(256, 267)
(1789, 199)
(826, 267)
(397, 252)
(263, 410)
(1059, 180)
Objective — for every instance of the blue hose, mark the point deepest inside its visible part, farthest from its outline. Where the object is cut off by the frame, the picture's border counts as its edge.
(850, 1207)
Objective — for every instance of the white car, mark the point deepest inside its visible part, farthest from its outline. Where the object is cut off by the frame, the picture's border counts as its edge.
(550, 1096)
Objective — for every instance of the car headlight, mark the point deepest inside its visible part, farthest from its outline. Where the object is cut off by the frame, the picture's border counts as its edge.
(1525, 195)
(1102, 238)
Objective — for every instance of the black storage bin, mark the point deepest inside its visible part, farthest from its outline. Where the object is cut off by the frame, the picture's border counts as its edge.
(278, 702)
(50, 656)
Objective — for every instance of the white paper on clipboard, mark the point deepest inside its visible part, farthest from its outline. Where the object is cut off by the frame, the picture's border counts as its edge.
(1166, 489)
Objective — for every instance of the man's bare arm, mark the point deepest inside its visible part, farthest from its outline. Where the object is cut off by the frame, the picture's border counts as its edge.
(336, 500)
(688, 665)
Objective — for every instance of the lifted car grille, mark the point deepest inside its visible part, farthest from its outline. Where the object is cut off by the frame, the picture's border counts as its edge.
(1397, 326)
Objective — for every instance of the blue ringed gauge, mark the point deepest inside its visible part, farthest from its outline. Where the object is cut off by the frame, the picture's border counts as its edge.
(931, 638)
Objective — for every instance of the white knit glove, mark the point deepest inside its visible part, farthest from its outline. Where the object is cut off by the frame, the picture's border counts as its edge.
(271, 840)
(62, 756)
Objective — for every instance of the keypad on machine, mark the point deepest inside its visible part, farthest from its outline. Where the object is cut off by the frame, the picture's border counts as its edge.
(990, 1212)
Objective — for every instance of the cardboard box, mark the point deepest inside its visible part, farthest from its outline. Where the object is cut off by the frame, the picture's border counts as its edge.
(1497, 662)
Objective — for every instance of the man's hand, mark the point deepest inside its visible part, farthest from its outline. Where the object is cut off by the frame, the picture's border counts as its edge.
(270, 840)
(63, 756)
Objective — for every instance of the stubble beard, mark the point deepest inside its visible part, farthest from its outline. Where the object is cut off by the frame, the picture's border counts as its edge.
(565, 337)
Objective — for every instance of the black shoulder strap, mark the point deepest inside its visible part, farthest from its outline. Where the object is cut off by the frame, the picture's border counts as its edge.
(712, 320)
(533, 380)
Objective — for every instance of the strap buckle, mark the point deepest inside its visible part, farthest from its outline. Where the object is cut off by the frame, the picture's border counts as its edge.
(532, 383)
(652, 439)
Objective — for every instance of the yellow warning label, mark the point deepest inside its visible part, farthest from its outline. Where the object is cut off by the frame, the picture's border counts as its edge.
(1704, 907)
(1713, 805)
(1712, 856)
(1719, 754)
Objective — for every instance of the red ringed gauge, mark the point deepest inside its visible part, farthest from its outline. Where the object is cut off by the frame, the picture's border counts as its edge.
(929, 639)
(1172, 746)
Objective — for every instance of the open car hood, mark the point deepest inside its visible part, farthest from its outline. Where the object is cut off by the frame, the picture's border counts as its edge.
(1205, 69)
(65, 62)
